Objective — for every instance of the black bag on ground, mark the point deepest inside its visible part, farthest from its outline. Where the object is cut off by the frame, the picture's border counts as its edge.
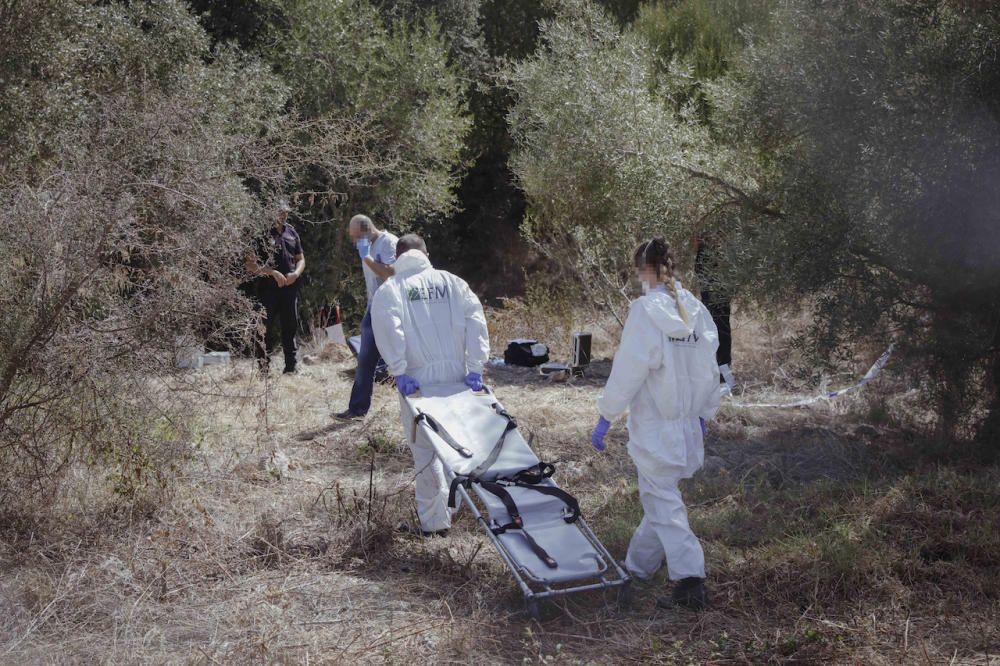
(526, 353)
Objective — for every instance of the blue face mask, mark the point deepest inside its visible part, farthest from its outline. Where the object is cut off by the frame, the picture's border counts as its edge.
(363, 245)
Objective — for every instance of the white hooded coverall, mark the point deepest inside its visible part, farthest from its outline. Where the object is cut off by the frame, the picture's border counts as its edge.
(666, 375)
(429, 325)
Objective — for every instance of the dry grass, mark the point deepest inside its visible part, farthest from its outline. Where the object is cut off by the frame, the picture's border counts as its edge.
(828, 540)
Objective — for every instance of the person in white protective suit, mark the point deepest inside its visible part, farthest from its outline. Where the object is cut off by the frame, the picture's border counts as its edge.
(430, 329)
(665, 375)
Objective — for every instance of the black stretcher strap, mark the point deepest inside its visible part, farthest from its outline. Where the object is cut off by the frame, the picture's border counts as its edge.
(508, 501)
(496, 489)
(495, 451)
(516, 522)
(535, 547)
(552, 491)
(535, 474)
(463, 481)
(442, 433)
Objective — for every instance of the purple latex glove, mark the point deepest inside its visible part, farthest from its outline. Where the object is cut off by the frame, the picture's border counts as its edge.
(474, 381)
(407, 385)
(704, 428)
(600, 430)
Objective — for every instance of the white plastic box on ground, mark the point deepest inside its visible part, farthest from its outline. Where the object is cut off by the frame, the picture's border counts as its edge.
(215, 358)
(187, 352)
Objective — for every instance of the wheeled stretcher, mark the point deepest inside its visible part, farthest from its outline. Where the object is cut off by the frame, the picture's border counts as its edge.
(534, 525)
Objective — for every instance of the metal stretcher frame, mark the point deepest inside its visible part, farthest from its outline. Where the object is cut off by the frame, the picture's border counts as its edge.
(535, 590)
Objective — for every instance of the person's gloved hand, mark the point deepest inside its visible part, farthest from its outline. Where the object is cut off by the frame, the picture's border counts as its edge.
(704, 428)
(407, 385)
(364, 247)
(474, 381)
(600, 430)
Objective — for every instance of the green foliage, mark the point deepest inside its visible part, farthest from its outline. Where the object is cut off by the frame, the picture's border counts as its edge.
(458, 24)
(885, 136)
(708, 34)
(481, 241)
(835, 539)
(377, 444)
(842, 153)
(341, 60)
(703, 37)
(602, 164)
(623, 11)
(395, 85)
(136, 149)
(244, 22)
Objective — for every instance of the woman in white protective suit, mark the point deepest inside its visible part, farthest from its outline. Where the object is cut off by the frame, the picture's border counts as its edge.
(665, 375)
(430, 329)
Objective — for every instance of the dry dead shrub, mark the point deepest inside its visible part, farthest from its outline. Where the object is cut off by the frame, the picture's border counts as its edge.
(335, 353)
(122, 259)
(141, 170)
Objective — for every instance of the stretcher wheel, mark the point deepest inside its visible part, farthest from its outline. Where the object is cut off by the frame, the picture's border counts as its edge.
(534, 610)
(625, 596)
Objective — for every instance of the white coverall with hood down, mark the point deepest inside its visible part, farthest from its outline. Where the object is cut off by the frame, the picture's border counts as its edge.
(429, 325)
(665, 374)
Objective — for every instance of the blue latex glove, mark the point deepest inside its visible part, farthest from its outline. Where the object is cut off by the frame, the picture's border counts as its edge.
(407, 385)
(704, 428)
(364, 247)
(600, 430)
(474, 381)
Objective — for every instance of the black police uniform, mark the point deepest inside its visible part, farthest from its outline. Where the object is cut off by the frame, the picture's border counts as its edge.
(717, 302)
(277, 250)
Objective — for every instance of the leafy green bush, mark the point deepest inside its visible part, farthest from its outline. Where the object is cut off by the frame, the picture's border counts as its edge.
(705, 36)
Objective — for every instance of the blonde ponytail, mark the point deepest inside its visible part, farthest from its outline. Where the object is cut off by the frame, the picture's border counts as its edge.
(672, 288)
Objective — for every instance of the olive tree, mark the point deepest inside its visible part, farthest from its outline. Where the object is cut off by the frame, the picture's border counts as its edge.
(882, 123)
(394, 81)
(604, 155)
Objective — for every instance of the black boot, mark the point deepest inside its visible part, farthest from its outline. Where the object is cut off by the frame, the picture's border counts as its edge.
(688, 593)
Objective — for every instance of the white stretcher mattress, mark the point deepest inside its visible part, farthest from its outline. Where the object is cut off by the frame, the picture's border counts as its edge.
(542, 516)
(471, 420)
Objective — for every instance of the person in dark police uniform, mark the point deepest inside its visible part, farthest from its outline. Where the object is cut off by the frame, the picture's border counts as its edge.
(278, 265)
(717, 300)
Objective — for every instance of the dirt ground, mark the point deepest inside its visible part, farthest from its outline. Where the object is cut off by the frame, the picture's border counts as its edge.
(825, 541)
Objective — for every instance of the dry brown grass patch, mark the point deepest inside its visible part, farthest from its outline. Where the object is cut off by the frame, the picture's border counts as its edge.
(827, 541)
